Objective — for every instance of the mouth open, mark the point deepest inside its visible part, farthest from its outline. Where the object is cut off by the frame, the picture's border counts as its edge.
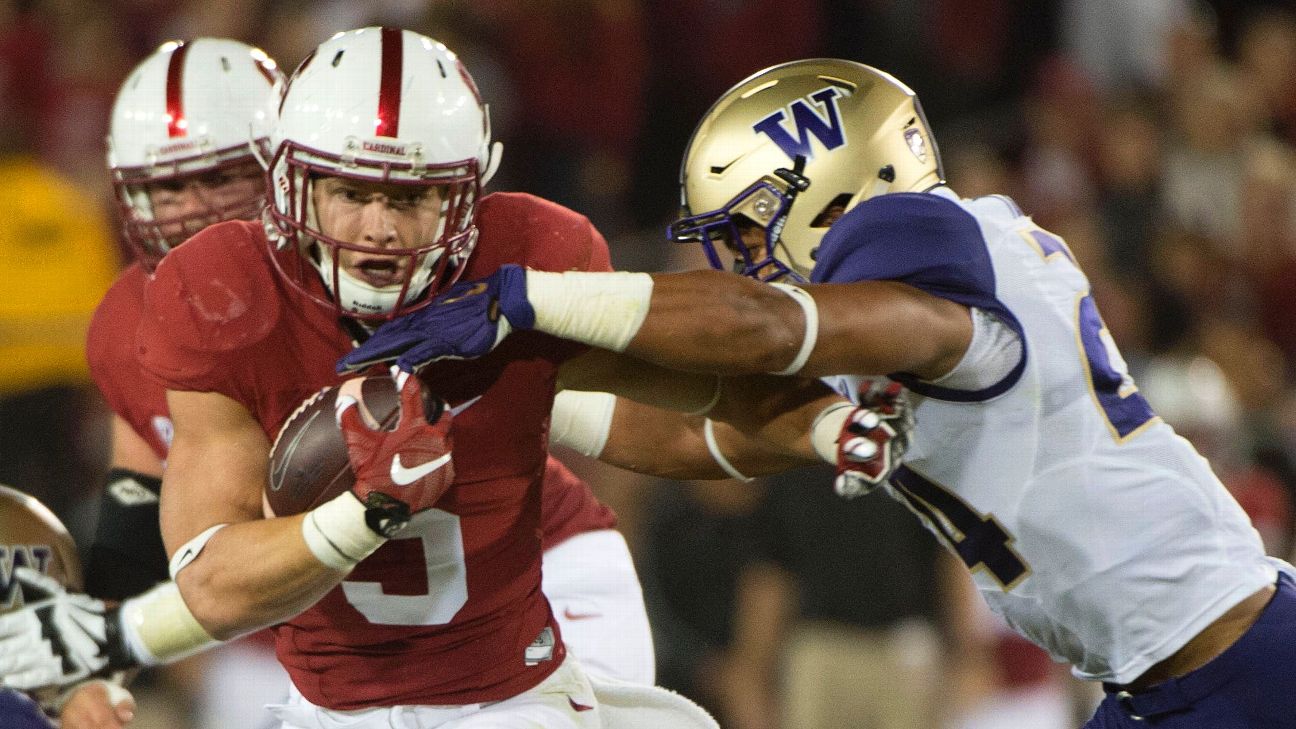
(378, 272)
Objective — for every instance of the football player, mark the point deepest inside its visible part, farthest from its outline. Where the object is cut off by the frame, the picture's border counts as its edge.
(180, 154)
(180, 159)
(37, 557)
(400, 597)
(1089, 525)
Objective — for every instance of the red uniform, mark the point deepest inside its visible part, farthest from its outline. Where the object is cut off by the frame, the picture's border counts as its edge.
(110, 351)
(570, 507)
(444, 616)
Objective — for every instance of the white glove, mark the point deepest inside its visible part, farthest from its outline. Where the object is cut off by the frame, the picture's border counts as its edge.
(58, 638)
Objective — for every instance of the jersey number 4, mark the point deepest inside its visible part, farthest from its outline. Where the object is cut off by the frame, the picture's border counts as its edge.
(977, 538)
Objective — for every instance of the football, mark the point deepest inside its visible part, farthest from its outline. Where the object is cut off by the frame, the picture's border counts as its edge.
(308, 461)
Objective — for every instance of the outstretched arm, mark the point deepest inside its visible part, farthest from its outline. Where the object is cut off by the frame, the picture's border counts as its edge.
(697, 321)
(713, 321)
(749, 426)
(659, 442)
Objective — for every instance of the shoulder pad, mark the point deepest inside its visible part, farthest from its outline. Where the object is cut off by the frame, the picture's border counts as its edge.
(920, 239)
(217, 292)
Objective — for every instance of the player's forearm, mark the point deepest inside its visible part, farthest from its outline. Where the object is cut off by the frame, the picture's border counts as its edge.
(697, 321)
(710, 321)
(665, 443)
(253, 574)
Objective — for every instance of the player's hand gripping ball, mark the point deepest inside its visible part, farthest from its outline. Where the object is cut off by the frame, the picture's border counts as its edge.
(390, 447)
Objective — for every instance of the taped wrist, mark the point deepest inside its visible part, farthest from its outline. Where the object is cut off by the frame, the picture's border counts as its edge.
(604, 310)
(338, 533)
(157, 627)
(827, 428)
(581, 420)
(811, 311)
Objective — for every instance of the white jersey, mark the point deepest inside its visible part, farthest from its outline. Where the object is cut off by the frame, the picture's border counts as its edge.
(1089, 525)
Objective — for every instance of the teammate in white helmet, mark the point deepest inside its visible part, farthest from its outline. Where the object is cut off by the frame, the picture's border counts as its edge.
(1089, 525)
(182, 154)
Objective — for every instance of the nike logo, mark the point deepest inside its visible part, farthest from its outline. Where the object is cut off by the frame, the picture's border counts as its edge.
(402, 476)
(578, 707)
(277, 477)
(454, 411)
(720, 169)
(475, 289)
(567, 613)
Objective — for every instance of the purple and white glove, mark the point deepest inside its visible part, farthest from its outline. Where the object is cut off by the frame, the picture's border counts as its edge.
(466, 321)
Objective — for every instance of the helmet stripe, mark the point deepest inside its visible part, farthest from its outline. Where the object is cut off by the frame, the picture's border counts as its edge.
(389, 89)
(176, 124)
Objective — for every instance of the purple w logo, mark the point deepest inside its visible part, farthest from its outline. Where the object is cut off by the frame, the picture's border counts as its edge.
(808, 122)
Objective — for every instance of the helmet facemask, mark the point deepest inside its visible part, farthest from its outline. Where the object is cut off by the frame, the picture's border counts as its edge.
(151, 235)
(428, 266)
(764, 205)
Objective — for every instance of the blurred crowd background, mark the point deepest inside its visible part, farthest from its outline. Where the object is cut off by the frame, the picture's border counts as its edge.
(1158, 137)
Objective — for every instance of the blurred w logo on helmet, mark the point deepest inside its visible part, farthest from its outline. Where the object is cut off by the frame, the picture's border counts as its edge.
(13, 556)
(828, 128)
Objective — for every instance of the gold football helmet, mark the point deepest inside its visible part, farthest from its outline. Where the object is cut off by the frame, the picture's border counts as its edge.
(31, 536)
(791, 148)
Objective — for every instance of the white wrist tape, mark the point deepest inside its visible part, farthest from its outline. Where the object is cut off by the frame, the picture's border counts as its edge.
(708, 432)
(811, 311)
(337, 534)
(159, 628)
(581, 420)
(604, 310)
(190, 550)
(827, 428)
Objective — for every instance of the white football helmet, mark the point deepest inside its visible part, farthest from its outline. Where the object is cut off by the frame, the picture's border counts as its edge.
(31, 536)
(791, 147)
(191, 108)
(382, 105)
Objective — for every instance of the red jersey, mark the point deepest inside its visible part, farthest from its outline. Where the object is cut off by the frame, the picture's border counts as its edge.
(570, 507)
(445, 614)
(110, 351)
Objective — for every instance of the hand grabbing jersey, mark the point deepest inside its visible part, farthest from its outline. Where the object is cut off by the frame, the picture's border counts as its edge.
(466, 321)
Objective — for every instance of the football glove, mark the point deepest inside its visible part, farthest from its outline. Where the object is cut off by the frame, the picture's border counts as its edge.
(402, 471)
(58, 638)
(467, 321)
(873, 439)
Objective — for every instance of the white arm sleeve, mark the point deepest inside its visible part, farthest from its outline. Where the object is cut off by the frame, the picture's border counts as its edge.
(992, 354)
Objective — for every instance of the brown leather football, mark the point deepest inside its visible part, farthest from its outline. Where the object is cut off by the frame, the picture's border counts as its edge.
(308, 462)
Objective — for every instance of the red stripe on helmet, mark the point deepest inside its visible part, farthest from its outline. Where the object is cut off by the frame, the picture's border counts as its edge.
(389, 85)
(176, 124)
